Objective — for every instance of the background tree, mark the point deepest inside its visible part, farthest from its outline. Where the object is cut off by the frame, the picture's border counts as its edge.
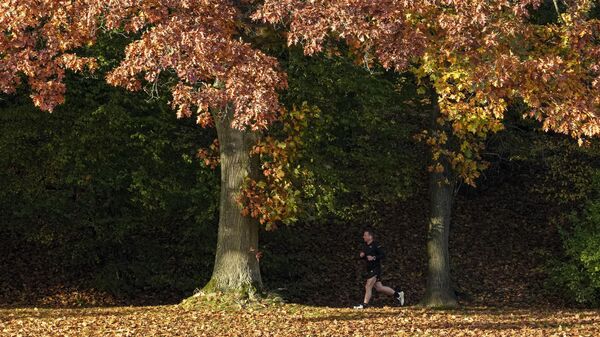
(477, 57)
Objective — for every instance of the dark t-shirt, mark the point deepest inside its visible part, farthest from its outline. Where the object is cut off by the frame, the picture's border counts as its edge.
(374, 249)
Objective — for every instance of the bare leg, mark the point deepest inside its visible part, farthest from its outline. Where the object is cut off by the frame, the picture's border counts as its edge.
(369, 289)
(379, 287)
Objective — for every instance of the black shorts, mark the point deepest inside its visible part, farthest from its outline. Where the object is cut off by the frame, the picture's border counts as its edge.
(374, 272)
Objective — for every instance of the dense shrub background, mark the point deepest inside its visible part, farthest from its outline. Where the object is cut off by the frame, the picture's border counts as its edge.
(108, 184)
(579, 272)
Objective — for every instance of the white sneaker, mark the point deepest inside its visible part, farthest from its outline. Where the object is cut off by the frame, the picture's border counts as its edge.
(360, 306)
(400, 297)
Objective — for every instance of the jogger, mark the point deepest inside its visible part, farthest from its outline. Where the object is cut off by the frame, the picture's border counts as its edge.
(373, 253)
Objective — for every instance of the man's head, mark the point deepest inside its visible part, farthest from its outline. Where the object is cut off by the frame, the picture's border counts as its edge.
(368, 235)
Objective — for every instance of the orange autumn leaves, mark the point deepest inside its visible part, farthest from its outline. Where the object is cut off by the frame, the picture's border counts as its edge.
(478, 57)
(38, 46)
(273, 198)
(193, 39)
(195, 44)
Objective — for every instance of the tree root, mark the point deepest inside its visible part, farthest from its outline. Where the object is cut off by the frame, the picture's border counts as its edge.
(247, 298)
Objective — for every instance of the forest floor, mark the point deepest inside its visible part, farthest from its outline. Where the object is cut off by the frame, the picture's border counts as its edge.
(297, 320)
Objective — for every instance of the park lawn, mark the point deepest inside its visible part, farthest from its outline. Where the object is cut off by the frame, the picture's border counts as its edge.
(296, 320)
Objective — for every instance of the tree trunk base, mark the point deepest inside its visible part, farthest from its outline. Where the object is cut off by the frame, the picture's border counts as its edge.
(438, 301)
(245, 297)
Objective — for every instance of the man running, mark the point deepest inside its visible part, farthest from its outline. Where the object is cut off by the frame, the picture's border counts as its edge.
(373, 253)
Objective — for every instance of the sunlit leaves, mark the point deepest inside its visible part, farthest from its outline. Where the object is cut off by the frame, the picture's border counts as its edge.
(273, 198)
(296, 320)
(478, 56)
(194, 40)
(193, 44)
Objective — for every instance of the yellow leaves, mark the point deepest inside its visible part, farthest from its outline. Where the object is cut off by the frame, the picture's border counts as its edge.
(476, 55)
(438, 168)
(280, 174)
(583, 142)
(567, 18)
(272, 198)
(488, 49)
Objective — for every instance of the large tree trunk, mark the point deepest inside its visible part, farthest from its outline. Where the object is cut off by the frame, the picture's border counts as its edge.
(236, 267)
(439, 292)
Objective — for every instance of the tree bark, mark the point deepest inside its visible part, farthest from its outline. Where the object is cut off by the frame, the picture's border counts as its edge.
(236, 267)
(439, 291)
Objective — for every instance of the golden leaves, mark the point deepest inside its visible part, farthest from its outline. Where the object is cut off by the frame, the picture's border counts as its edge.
(273, 198)
(297, 320)
(479, 57)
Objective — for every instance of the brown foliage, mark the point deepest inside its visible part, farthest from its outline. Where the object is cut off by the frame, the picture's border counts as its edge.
(195, 40)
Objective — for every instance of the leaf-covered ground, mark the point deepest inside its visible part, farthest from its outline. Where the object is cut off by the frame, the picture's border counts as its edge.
(294, 320)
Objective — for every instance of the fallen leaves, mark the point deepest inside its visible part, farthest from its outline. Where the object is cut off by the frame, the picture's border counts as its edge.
(295, 320)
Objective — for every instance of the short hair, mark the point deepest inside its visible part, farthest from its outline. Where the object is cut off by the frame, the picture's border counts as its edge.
(369, 230)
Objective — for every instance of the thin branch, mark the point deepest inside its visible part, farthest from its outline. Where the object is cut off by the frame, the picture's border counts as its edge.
(557, 11)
